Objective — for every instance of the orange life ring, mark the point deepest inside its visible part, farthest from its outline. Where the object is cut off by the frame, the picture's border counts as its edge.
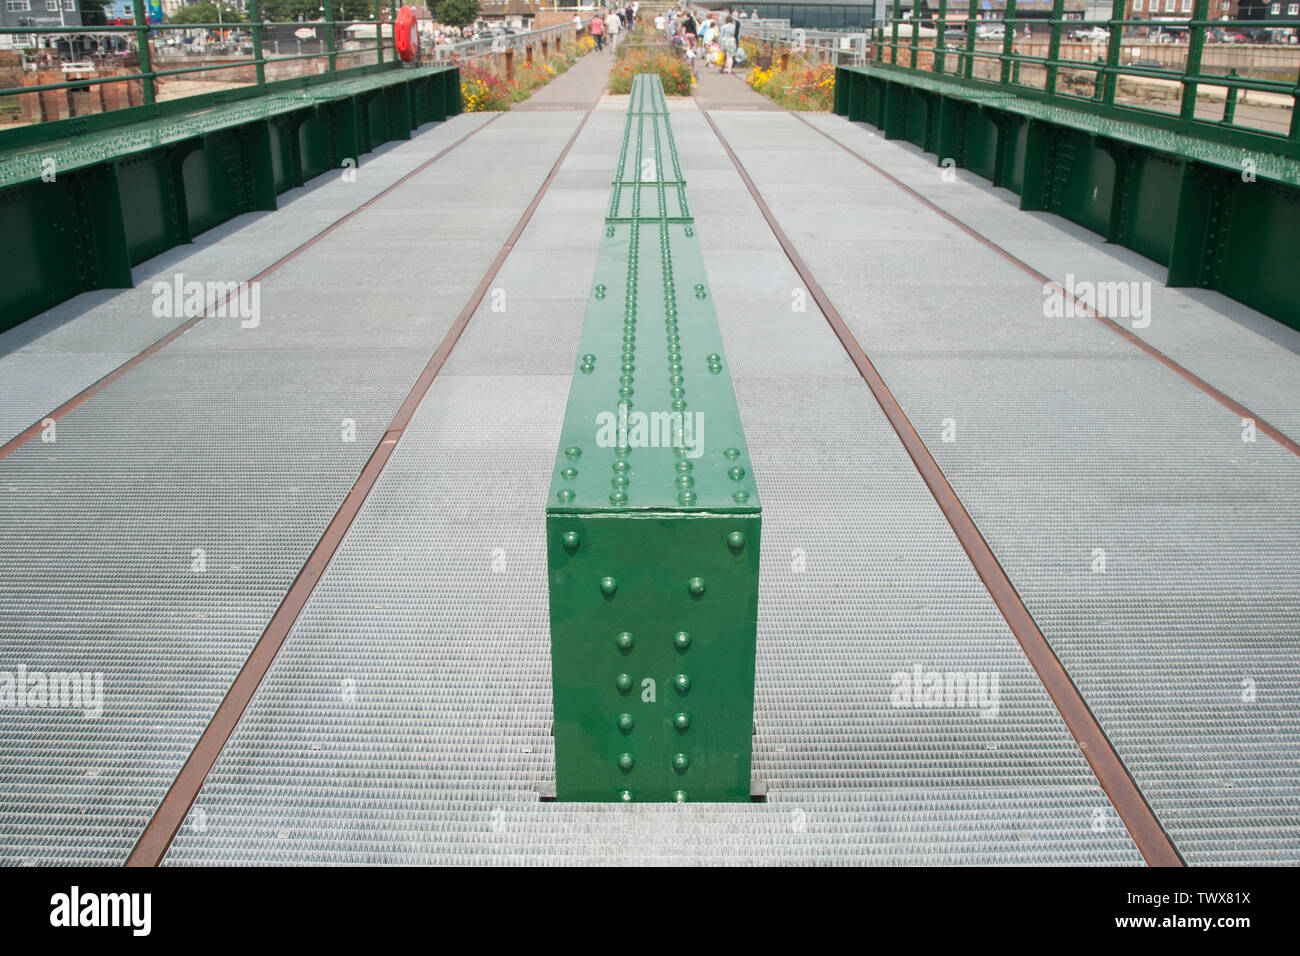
(406, 34)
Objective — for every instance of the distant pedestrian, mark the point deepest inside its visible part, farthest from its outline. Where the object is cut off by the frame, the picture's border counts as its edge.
(612, 26)
(728, 34)
(598, 32)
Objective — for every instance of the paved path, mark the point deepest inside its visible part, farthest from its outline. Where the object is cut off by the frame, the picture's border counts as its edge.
(575, 89)
(722, 91)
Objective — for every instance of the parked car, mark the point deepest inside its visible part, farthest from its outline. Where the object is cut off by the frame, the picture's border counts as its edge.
(1146, 64)
(990, 33)
(1090, 35)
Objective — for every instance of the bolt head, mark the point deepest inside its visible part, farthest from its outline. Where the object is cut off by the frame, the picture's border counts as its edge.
(608, 586)
(623, 682)
(626, 723)
(681, 683)
(571, 540)
(736, 541)
(696, 586)
(626, 762)
(682, 641)
(682, 721)
(625, 642)
(681, 762)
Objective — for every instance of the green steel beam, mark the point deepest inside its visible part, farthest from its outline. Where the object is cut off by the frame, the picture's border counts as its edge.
(1177, 198)
(111, 198)
(653, 516)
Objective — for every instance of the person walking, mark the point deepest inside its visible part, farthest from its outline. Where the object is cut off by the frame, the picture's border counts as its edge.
(612, 26)
(728, 33)
(598, 32)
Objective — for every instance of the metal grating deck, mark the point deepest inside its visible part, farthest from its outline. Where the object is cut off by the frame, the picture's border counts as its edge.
(406, 717)
(1068, 440)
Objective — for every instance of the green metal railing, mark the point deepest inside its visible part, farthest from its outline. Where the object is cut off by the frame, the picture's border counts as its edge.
(1041, 77)
(148, 76)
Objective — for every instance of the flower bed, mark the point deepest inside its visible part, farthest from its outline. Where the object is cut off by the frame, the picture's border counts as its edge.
(797, 88)
(673, 71)
(482, 90)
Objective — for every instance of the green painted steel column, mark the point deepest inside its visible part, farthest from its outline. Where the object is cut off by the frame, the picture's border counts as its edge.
(1114, 44)
(1008, 41)
(255, 24)
(940, 39)
(142, 42)
(1054, 46)
(1195, 47)
(653, 517)
(972, 24)
(329, 32)
(898, 15)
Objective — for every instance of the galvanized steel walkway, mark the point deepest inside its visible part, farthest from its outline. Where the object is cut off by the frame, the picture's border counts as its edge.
(410, 367)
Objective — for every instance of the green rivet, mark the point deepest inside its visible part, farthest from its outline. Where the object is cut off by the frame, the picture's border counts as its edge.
(675, 367)
(685, 481)
(683, 466)
(715, 369)
(696, 586)
(679, 405)
(620, 466)
(731, 454)
(736, 541)
(686, 498)
(573, 451)
(626, 723)
(609, 231)
(626, 796)
(588, 369)
(619, 481)
(680, 796)
(682, 640)
(571, 540)
(625, 763)
(689, 232)
(681, 762)
(565, 494)
(736, 473)
(589, 359)
(677, 391)
(714, 358)
(569, 473)
(740, 497)
(681, 683)
(623, 682)
(625, 641)
(608, 586)
(625, 391)
(675, 380)
(618, 498)
(682, 722)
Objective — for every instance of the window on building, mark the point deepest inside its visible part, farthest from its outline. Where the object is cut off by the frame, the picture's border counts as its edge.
(1275, 9)
(69, 5)
(17, 6)
(1187, 6)
(1292, 9)
(51, 4)
(1170, 5)
(1137, 6)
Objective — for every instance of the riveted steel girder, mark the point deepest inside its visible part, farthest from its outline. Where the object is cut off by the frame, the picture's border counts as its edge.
(653, 518)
